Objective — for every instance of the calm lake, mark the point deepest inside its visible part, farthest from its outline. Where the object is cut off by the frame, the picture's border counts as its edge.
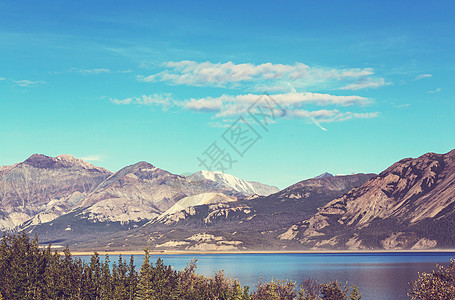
(378, 275)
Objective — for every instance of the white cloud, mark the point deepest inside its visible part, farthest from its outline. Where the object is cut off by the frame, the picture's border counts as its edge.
(28, 83)
(2, 78)
(97, 71)
(290, 105)
(92, 158)
(93, 71)
(318, 124)
(204, 104)
(228, 105)
(403, 105)
(164, 100)
(123, 101)
(435, 91)
(422, 76)
(268, 76)
(221, 124)
(319, 99)
(328, 116)
(365, 83)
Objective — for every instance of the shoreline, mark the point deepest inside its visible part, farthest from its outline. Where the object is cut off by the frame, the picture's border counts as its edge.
(183, 252)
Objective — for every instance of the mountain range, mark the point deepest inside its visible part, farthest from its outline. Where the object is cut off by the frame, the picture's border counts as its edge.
(62, 199)
(409, 205)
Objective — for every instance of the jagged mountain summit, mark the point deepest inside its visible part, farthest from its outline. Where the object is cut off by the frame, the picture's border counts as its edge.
(323, 175)
(42, 188)
(128, 199)
(409, 205)
(231, 182)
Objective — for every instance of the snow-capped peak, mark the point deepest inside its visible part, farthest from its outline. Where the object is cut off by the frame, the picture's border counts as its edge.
(232, 182)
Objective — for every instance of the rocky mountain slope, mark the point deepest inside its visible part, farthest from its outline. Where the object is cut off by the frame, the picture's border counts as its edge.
(409, 205)
(299, 200)
(252, 223)
(128, 199)
(42, 188)
(231, 182)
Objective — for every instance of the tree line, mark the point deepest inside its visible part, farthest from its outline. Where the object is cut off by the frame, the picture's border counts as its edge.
(30, 272)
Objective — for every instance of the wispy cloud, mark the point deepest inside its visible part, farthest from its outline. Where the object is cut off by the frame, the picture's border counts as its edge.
(93, 71)
(403, 105)
(276, 77)
(164, 100)
(97, 71)
(208, 104)
(28, 83)
(227, 107)
(222, 124)
(365, 83)
(329, 116)
(318, 124)
(93, 157)
(422, 76)
(435, 91)
(2, 78)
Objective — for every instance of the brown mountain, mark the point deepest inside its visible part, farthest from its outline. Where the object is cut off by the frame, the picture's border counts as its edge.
(253, 223)
(293, 203)
(140, 192)
(44, 188)
(125, 200)
(409, 205)
(63, 197)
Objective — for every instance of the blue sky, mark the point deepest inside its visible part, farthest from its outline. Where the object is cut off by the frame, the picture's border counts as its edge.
(362, 83)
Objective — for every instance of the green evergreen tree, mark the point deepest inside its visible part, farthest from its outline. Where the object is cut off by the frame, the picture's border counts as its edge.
(132, 280)
(164, 281)
(66, 280)
(95, 276)
(27, 272)
(5, 267)
(106, 280)
(78, 282)
(52, 274)
(120, 279)
(144, 286)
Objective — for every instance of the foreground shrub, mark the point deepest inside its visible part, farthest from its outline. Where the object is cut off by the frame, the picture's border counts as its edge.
(440, 284)
(283, 290)
(331, 290)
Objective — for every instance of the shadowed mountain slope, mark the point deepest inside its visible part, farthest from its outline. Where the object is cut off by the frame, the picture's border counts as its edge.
(409, 205)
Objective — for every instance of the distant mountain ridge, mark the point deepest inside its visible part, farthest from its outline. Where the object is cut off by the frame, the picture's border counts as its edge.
(410, 205)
